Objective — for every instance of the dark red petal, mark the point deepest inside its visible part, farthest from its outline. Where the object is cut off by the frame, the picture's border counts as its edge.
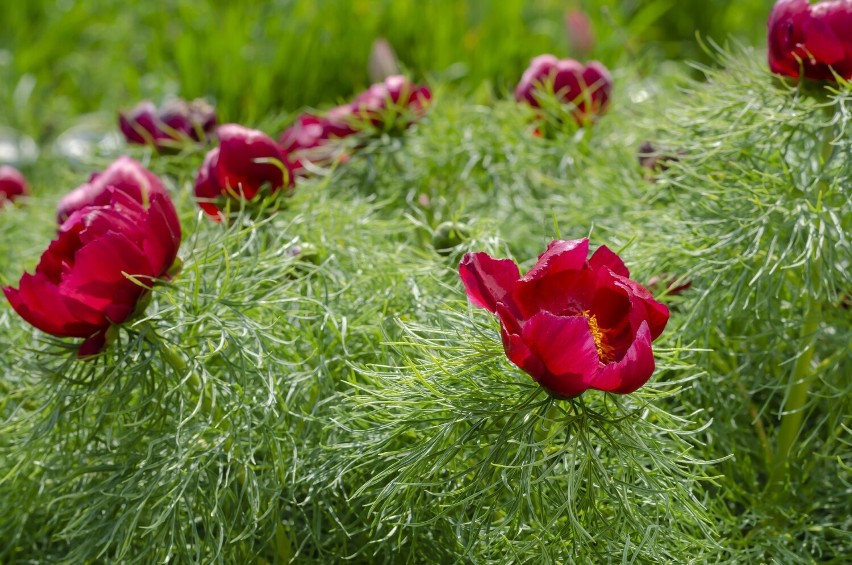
(12, 183)
(563, 293)
(565, 385)
(604, 257)
(564, 344)
(560, 256)
(162, 227)
(93, 345)
(140, 124)
(99, 279)
(521, 355)
(821, 43)
(58, 257)
(598, 82)
(487, 280)
(207, 188)
(656, 312)
(249, 159)
(125, 175)
(539, 71)
(632, 371)
(39, 302)
(567, 82)
(205, 181)
(509, 318)
(610, 305)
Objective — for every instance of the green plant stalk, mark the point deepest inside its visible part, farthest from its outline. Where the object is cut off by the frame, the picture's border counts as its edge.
(800, 382)
(802, 375)
(203, 389)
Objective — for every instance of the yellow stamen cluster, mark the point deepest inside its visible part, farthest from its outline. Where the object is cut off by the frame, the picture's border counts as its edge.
(605, 351)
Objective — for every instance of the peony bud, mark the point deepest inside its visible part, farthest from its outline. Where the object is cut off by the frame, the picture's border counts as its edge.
(12, 184)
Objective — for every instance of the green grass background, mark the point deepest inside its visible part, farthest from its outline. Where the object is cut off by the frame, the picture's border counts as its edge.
(61, 58)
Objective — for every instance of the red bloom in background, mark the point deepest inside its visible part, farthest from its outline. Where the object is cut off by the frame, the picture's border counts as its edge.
(176, 123)
(581, 36)
(307, 132)
(307, 140)
(82, 284)
(810, 40)
(668, 283)
(395, 102)
(587, 87)
(12, 184)
(339, 122)
(245, 161)
(124, 174)
(571, 323)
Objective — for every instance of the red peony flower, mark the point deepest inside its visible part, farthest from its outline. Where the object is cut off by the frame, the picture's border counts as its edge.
(340, 121)
(174, 124)
(245, 161)
(84, 283)
(12, 184)
(385, 103)
(307, 140)
(307, 132)
(571, 323)
(810, 40)
(588, 88)
(124, 174)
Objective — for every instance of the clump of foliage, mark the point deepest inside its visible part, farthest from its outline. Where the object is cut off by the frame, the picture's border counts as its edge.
(314, 385)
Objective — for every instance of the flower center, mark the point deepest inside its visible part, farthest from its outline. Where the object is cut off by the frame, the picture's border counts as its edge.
(605, 351)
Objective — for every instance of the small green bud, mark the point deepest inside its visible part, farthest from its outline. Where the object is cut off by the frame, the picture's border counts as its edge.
(449, 235)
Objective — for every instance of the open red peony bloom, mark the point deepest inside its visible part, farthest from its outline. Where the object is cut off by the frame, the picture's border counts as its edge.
(811, 40)
(386, 103)
(176, 123)
(82, 284)
(571, 323)
(587, 87)
(245, 161)
(12, 184)
(124, 174)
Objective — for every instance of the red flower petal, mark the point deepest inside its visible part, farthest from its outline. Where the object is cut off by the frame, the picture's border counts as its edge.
(657, 313)
(563, 293)
(632, 371)
(207, 189)
(161, 248)
(39, 302)
(821, 43)
(125, 175)
(560, 256)
(99, 276)
(249, 159)
(605, 257)
(12, 184)
(564, 344)
(487, 280)
(93, 345)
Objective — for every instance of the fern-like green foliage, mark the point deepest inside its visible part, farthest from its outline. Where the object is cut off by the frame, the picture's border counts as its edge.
(314, 386)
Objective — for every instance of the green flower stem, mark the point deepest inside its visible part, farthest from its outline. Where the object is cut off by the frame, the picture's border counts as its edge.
(173, 358)
(203, 390)
(802, 375)
(800, 382)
